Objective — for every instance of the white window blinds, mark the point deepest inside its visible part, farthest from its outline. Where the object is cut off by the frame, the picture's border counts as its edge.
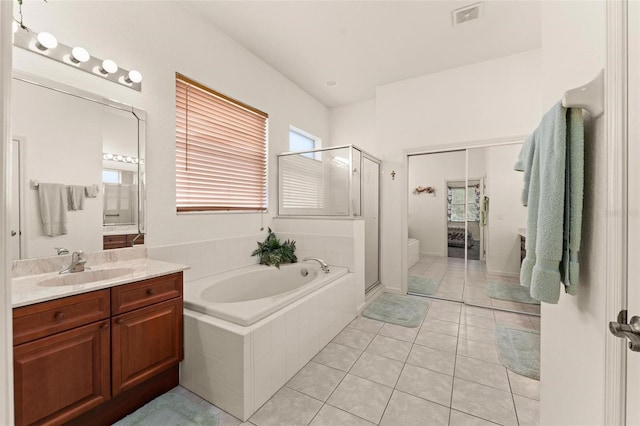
(221, 151)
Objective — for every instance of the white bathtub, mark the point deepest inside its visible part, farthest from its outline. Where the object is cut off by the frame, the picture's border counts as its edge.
(289, 318)
(413, 252)
(247, 295)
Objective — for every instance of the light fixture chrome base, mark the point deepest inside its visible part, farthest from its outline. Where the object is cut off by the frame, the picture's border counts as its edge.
(27, 39)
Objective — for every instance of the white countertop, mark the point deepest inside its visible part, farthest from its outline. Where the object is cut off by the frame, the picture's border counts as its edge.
(27, 291)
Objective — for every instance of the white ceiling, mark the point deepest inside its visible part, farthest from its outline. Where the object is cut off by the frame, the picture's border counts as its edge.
(364, 44)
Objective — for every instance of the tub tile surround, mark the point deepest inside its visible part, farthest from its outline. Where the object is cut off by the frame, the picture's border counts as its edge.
(475, 392)
(212, 257)
(239, 368)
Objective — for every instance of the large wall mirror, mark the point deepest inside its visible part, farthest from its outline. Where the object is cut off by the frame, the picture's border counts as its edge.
(466, 227)
(93, 148)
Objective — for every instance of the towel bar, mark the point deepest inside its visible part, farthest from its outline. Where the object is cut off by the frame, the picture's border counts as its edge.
(589, 97)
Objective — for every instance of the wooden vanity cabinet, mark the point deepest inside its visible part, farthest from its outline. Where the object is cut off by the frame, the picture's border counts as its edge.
(96, 357)
(121, 241)
(147, 335)
(56, 378)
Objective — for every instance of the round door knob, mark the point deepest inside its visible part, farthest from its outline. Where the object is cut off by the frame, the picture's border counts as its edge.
(119, 321)
(13, 233)
(59, 316)
(150, 291)
(105, 325)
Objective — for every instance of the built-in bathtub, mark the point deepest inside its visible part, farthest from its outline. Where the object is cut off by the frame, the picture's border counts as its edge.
(413, 252)
(248, 331)
(247, 295)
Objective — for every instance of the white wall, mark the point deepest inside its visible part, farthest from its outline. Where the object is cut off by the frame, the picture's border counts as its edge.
(506, 212)
(573, 331)
(354, 124)
(493, 99)
(427, 218)
(160, 38)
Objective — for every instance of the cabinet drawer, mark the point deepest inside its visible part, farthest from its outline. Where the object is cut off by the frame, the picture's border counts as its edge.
(144, 293)
(47, 318)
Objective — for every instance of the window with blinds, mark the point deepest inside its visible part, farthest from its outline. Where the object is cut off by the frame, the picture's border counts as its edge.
(221, 151)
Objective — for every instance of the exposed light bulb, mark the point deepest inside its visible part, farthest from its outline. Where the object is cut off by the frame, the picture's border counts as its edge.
(134, 76)
(46, 41)
(109, 67)
(79, 54)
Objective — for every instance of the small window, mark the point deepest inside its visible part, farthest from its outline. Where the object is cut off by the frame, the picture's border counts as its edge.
(221, 151)
(110, 176)
(456, 198)
(300, 140)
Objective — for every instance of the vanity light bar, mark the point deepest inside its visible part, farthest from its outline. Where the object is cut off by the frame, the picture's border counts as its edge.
(121, 158)
(77, 57)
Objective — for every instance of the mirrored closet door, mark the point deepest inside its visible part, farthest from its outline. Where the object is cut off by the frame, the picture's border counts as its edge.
(466, 223)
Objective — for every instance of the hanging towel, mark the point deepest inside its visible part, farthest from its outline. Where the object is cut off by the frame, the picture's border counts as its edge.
(574, 179)
(76, 197)
(53, 208)
(551, 175)
(484, 210)
(544, 160)
(91, 191)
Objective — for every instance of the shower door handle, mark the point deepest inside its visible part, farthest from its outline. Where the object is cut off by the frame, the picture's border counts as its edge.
(629, 331)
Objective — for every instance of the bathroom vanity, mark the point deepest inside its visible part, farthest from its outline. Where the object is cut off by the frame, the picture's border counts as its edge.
(96, 356)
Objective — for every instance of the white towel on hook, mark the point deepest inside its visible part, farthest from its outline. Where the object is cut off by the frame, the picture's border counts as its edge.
(91, 191)
(76, 197)
(53, 208)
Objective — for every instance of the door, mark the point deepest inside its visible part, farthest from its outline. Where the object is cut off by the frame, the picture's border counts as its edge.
(15, 231)
(145, 342)
(78, 383)
(633, 237)
(371, 212)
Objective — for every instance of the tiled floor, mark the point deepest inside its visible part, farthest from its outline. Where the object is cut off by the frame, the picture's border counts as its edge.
(445, 372)
(449, 272)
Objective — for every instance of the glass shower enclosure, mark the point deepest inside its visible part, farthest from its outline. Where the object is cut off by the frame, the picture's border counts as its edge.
(336, 182)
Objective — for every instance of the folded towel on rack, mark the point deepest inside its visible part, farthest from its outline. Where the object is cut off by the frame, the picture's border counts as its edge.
(91, 191)
(76, 197)
(53, 208)
(553, 173)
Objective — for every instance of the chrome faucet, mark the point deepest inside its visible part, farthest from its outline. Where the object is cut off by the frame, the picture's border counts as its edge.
(77, 263)
(322, 263)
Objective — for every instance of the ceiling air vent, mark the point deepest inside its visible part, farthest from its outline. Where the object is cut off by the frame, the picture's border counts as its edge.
(466, 14)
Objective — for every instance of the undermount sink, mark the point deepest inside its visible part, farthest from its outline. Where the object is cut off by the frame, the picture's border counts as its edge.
(85, 277)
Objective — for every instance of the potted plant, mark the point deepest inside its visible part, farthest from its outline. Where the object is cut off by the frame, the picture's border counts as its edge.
(273, 252)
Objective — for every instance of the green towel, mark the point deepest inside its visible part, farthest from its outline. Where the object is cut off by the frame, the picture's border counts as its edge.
(553, 172)
(570, 270)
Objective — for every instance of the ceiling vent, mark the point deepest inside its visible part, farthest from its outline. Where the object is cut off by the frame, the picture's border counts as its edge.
(466, 14)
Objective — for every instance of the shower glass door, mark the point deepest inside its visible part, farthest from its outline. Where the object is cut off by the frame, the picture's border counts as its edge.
(370, 213)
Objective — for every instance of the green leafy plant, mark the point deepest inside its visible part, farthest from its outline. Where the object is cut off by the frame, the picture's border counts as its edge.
(273, 252)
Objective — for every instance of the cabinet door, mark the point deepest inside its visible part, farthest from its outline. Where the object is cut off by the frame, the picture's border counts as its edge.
(145, 342)
(61, 376)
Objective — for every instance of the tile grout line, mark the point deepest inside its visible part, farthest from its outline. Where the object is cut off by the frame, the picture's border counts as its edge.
(346, 373)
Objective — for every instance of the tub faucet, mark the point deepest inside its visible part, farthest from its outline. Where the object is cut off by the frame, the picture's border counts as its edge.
(77, 263)
(322, 263)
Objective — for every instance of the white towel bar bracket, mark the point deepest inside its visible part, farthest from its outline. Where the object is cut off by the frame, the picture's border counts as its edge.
(589, 97)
